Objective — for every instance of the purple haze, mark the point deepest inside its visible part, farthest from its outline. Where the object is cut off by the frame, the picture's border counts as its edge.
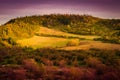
(100, 8)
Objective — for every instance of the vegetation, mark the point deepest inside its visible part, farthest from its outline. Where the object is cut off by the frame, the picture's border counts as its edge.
(50, 64)
(108, 29)
(78, 24)
(60, 47)
(39, 42)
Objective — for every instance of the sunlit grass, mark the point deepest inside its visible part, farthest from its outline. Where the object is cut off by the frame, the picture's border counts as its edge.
(47, 31)
(65, 43)
(40, 41)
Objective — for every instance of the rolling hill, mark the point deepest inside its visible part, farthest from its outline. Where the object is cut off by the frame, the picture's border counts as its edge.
(60, 47)
(82, 27)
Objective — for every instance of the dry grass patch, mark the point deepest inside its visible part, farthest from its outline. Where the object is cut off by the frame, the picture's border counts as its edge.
(47, 31)
(86, 45)
(39, 42)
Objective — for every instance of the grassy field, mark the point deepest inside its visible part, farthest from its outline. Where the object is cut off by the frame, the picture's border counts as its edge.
(40, 41)
(61, 43)
(52, 32)
(51, 38)
(54, 39)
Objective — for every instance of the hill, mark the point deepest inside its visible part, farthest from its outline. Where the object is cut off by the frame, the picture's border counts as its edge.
(77, 24)
(26, 27)
(60, 47)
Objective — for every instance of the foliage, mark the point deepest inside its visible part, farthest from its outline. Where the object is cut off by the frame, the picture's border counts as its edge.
(78, 24)
(54, 64)
(18, 30)
(24, 27)
(18, 63)
(109, 39)
(74, 42)
(7, 41)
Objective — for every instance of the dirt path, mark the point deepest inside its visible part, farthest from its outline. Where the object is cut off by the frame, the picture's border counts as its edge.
(86, 45)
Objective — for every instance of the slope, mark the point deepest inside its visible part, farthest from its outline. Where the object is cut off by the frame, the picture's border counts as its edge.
(60, 26)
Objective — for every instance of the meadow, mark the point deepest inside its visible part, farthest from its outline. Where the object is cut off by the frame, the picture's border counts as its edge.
(46, 37)
(39, 42)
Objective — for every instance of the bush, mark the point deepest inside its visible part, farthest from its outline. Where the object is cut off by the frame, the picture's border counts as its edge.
(73, 42)
(11, 41)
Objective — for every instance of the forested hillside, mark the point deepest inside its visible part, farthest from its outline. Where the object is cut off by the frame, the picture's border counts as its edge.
(108, 29)
(25, 27)
(78, 24)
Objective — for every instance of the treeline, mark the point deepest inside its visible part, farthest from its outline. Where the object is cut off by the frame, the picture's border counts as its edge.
(77, 24)
(50, 64)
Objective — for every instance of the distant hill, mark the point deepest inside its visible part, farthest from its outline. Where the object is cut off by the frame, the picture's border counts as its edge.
(78, 24)
(25, 27)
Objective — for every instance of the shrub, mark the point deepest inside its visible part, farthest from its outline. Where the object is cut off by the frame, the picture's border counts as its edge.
(11, 41)
(73, 42)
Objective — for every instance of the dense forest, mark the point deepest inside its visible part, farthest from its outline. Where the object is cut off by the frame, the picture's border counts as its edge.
(47, 63)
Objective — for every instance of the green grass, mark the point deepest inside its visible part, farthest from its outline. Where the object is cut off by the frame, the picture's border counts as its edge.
(40, 42)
